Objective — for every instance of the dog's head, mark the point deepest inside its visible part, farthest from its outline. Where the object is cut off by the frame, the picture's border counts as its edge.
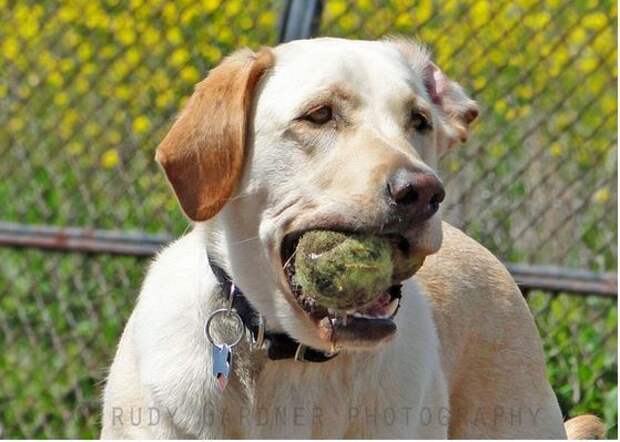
(323, 133)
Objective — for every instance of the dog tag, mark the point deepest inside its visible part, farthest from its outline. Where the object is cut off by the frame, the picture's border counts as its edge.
(221, 358)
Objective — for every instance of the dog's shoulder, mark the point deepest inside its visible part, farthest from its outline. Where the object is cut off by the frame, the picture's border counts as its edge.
(175, 293)
(487, 333)
(167, 331)
(473, 295)
(463, 274)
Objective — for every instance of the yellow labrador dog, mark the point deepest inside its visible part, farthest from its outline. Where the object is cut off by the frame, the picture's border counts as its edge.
(324, 134)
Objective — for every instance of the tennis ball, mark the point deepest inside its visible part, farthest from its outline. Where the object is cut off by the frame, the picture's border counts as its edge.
(343, 271)
(405, 264)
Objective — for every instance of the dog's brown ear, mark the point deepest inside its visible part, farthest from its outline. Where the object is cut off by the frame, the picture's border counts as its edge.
(457, 110)
(202, 155)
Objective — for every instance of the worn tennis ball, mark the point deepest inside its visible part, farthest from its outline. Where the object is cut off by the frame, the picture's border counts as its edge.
(343, 271)
(405, 264)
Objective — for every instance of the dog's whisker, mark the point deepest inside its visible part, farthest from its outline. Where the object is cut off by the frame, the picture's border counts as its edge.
(186, 229)
(290, 259)
(241, 196)
(242, 241)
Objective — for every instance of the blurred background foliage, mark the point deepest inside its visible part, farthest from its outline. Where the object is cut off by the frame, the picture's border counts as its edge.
(88, 89)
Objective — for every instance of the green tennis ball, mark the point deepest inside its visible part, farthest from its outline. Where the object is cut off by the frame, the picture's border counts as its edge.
(405, 264)
(343, 271)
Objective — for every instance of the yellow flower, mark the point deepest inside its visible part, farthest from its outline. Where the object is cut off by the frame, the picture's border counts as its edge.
(174, 36)
(211, 5)
(170, 12)
(267, 19)
(122, 92)
(10, 48)
(164, 99)
(85, 51)
(577, 36)
(537, 21)
(588, 64)
(480, 13)
(246, 23)
(556, 149)
(141, 124)
(92, 129)
(109, 159)
(179, 57)
(596, 20)
(500, 106)
(404, 21)
(127, 36)
(602, 195)
(336, 7)
(609, 104)
(233, 8)
(151, 36)
(212, 54)
(61, 99)
(81, 85)
(190, 74)
(480, 82)
(423, 11)
(55, 79)
(349, 21)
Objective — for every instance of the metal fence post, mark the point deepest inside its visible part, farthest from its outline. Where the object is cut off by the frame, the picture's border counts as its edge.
(300, 19)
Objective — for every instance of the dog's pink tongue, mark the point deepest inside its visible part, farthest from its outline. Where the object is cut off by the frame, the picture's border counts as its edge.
(378, 308)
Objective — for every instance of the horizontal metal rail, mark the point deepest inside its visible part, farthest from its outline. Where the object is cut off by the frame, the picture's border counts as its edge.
(563, 279)
(74, 239)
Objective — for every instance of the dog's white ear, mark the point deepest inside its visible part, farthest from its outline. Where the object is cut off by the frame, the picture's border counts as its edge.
(457, 110)
(202, 154)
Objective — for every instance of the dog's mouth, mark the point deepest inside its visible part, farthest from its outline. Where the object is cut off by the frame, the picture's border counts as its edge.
(364, 325)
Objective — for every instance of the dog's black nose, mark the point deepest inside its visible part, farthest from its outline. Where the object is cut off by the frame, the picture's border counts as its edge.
(417, 193)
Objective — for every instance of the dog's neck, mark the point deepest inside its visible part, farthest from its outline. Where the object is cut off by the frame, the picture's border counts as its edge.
(230, 256)
(215, 243)
(280, 344)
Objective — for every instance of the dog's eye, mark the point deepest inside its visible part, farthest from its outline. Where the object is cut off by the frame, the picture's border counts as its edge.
(321, 115)
(420, 122)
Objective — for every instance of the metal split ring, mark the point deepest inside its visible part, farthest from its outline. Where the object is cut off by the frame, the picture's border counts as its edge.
(260, 335)
(227, 313)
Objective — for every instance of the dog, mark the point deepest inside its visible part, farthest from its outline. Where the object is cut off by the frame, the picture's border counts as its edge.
(324, 134)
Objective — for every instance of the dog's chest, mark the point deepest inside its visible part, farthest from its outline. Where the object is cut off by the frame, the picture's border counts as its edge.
(329, 400)
(306, 400)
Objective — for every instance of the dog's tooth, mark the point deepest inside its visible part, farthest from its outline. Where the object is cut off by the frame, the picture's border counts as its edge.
(391, 308)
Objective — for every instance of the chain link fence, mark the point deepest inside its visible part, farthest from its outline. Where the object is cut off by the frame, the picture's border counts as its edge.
(88, 89)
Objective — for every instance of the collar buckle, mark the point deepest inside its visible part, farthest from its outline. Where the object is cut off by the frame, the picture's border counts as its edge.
(307, 354)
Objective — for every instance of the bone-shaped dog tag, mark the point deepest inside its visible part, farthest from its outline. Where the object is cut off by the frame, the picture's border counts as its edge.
(221, 358)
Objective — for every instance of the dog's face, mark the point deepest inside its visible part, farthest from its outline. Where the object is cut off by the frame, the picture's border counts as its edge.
(316, 134)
